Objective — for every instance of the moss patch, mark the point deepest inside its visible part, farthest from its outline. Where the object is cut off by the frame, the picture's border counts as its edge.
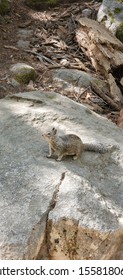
(23, 73)
(117, 10)
(120, 1)
(24, 78)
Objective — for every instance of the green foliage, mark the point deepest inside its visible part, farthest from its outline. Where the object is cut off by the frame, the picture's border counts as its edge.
(117, 10)
(119, 1)
(41, 3)
(4, 7)
(52, 1)
(111, 15)
(119, 33)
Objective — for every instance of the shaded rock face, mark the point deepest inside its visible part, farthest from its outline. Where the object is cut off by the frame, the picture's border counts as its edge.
(58, 210)
(66, 77)
(75, 80)
(111, 14)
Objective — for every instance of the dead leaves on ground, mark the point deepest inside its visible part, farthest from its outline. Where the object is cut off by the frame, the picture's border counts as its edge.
(55, 45)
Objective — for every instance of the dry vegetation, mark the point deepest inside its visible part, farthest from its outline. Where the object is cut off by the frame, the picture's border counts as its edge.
(52, 40)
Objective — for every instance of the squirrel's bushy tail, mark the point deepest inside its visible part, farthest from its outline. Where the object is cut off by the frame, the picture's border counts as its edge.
(100, 148)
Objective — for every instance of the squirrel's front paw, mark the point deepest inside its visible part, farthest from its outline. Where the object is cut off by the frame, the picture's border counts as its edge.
(48, 156)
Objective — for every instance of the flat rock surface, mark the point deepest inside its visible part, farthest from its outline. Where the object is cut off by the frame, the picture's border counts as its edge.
(45, 203)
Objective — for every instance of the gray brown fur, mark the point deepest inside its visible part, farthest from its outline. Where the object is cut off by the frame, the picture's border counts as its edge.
(68, 144)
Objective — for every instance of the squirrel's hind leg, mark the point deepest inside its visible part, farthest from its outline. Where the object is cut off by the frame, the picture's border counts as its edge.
(60, 158)
(77, 155)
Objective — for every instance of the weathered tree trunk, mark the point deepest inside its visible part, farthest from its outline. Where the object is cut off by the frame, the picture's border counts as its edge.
(106, 54)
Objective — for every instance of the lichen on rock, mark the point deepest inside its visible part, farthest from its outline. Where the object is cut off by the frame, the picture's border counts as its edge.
(111, 15)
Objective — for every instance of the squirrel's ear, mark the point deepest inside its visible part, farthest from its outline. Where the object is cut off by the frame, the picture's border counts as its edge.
(54, 130)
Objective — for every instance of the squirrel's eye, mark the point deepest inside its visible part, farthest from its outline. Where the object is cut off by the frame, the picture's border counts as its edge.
(48, 133)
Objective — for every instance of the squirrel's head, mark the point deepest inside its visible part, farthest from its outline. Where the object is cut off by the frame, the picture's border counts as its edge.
(50, 134)
(54, 131)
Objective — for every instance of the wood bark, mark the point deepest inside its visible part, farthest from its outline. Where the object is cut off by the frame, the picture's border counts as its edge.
(106, 54)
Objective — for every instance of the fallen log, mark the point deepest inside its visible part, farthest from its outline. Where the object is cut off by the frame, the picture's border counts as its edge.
(106, 54)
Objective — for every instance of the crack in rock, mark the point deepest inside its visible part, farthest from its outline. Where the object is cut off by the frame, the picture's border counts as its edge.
(44, 250)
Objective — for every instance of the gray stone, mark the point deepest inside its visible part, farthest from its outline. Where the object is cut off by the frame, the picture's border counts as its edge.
(70, 79)
(111, 14)
(23, 73)
(49, 209)
(14, 83)
(81, 78)
(24, 33)
(86, 13)
(23, 44)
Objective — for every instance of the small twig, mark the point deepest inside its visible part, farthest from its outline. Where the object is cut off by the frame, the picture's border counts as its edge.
(42, 56)
(72, 18)
(106, 98)
(11, 47)
(79, 67)
(55, 66)
(77, 99)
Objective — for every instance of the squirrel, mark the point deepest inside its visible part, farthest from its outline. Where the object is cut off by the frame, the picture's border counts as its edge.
(68, 144)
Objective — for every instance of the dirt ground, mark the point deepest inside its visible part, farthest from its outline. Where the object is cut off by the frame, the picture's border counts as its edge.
(52, 34)
(22, 17)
